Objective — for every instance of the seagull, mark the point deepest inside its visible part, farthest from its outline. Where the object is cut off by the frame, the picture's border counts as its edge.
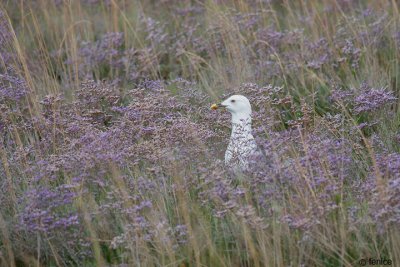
(242, 145)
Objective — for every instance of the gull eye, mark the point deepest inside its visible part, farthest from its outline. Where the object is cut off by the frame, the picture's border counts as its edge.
(233, 100)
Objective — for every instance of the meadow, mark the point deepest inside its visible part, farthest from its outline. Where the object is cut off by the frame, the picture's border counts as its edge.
(111, 156)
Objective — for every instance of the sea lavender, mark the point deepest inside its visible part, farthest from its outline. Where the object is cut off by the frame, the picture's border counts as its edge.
(373, 99)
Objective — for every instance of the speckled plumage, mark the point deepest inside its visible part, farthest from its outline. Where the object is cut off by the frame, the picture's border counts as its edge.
(242, 145)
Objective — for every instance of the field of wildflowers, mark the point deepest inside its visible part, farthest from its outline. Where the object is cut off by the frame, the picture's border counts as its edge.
(111, 156)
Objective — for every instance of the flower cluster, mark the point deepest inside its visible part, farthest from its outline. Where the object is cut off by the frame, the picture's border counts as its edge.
(372, 100)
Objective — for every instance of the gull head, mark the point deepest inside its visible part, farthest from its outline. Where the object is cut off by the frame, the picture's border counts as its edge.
(238, 105)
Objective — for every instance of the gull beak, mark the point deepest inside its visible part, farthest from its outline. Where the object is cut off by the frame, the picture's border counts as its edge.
(216, 106)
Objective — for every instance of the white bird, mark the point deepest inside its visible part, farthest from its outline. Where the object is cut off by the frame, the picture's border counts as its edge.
(242, 145)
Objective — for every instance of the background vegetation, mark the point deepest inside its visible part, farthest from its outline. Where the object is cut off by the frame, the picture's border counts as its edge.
(110, 155)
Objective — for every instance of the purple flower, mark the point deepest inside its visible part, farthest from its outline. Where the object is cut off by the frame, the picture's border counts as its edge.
(372, 100)
(12, 87)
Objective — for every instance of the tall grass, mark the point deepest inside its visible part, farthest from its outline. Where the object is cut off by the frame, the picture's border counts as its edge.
(110, 155)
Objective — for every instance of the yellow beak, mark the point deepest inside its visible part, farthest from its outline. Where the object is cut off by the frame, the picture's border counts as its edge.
(214, 106)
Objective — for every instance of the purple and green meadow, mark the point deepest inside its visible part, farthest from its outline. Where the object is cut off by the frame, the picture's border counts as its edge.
(111, 156)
